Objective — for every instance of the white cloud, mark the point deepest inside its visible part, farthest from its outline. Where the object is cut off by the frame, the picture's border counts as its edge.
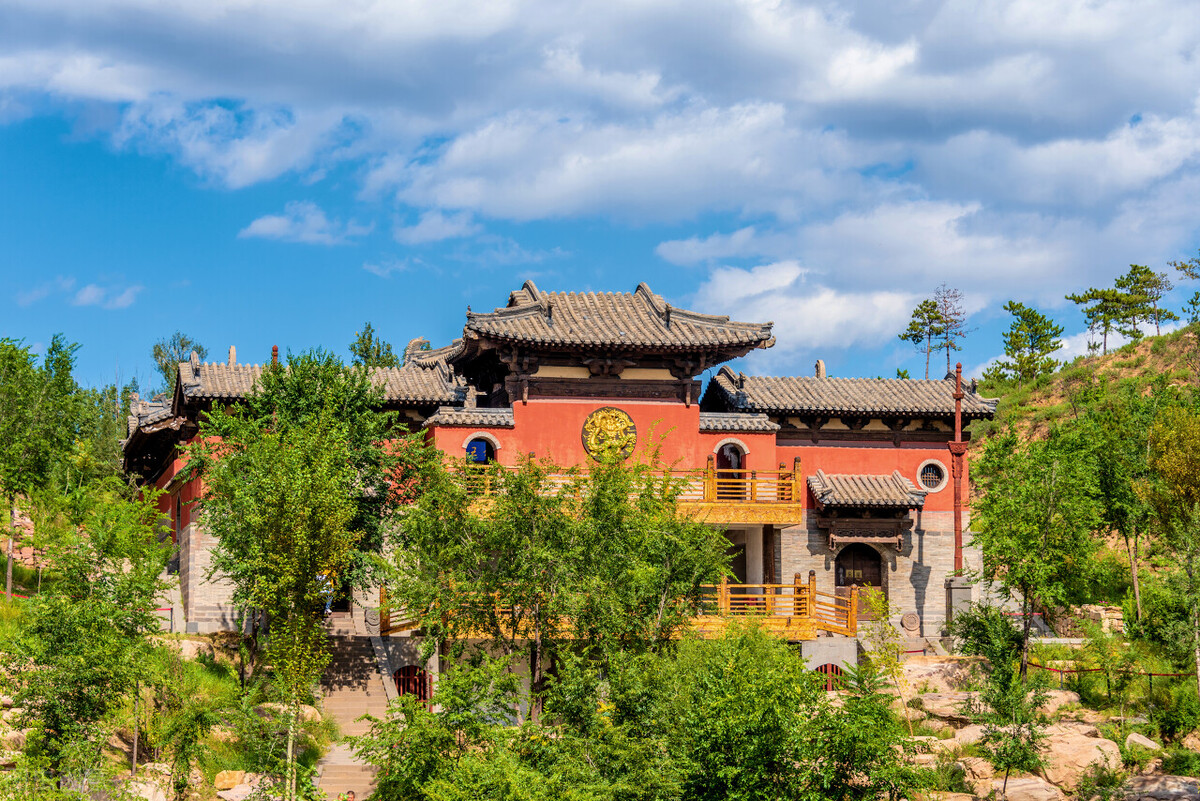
(386, 267)
(809, 317)
(434, 226)
(106, 297)
(305, 222)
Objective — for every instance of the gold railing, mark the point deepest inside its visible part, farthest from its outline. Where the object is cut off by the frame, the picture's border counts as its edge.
(797, 610)
(708, 485)
(799, 601)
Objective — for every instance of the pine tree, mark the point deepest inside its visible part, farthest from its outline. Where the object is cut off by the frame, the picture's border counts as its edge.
(924, 327)
(1028, 343)
(1103, 312)
(1143, 290)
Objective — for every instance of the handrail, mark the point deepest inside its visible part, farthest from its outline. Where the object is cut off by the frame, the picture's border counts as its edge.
(708, 485)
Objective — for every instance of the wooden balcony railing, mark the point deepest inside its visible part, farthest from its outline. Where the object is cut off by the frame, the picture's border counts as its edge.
(708, 485)
(796, 611)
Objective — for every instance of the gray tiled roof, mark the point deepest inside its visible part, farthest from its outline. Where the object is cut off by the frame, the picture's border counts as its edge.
(846, 396)
(474, 418)
(639, 319)
(144, 413)
(735, 421)
(888, 491)
(426, 380)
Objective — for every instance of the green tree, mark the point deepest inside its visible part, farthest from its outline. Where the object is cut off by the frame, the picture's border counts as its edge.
(1142, 290)
(83, 643)
(1102, 310)
(169, 352)
(1174, 492)
(1029, 342)
(924, 328)
(1033, 522)
(367, 350)
(299, 483)
(606, 559)
(37, 411)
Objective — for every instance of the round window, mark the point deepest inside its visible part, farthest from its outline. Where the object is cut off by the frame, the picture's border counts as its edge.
(932, 475)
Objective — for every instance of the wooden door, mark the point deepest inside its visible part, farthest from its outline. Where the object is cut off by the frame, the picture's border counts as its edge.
(861, 565)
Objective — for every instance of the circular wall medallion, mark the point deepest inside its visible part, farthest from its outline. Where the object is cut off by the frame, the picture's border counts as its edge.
(609, 432)
(910, 621)
(932, 475)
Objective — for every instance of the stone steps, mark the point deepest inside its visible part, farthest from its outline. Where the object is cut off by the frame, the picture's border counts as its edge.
(351, 688)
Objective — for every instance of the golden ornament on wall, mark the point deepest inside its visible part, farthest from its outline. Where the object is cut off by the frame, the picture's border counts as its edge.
(609, 432)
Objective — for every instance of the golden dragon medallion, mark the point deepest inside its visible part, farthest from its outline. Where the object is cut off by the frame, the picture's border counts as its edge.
(609, 432)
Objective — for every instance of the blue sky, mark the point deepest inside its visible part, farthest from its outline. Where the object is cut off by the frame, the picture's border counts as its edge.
(258, 173)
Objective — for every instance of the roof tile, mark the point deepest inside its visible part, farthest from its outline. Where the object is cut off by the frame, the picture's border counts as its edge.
(866, 491)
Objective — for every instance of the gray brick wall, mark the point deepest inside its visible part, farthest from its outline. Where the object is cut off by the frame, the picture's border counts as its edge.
(914, 578)
(206, 602)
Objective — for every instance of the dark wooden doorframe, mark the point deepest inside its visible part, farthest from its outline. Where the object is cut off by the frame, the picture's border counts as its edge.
(858, 564)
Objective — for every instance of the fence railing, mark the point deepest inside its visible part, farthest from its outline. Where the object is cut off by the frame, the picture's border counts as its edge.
(707, 485)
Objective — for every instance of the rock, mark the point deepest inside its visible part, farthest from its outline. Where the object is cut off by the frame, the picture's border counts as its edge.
(194, 649)
(1057, 699)
(6, 702)
(1072, 727)
(10, 716)
(1191, 742)
(936, 724)
(308, 714)
(222, 734)
(239, 793)
(977, 773)
(1068, 756)
(13, 740)
(146, 790)
(968, 735)
(1161, 788)
(228, 779)
(1028, 788)
(1141, 741)
(938, 674)
(925, 760)
(947, 706)
(8, 759)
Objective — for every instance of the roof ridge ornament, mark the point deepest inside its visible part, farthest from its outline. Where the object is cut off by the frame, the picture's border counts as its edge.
(194, 361)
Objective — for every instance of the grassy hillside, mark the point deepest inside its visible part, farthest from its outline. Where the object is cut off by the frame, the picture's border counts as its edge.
(1173, 357)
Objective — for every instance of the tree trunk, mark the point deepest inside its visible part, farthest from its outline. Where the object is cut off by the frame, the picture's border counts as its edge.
(1026, 607)
(535, 675)
(1196, 642)
(137, 694)
(12, 506)
(289, 781)
(928, 353)
(1132, 546)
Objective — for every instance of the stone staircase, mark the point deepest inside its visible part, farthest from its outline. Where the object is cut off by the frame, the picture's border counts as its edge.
(352, 687)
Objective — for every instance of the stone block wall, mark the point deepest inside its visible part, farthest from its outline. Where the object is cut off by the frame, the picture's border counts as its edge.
(914, 578)
(207, 603)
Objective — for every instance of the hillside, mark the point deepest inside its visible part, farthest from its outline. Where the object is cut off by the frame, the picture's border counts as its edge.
(1173, 357)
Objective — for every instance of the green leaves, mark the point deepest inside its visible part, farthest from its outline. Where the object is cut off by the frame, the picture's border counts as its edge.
(1028, 343)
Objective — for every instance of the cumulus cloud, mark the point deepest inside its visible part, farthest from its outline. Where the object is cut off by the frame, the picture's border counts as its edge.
(434, 226)
(109, 296)
(305, 222)
(809, 317)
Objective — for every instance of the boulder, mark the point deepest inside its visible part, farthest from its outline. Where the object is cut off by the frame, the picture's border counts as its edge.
(13, 740)
(239, 793)
(6, 702)
(1057, 699)
(1069, 755)
(947, 706)
(938, 674)
(8, 759)
(1141, 741)
(1028, 788)
(145, 790)
(969, 735)
(1072, 727)
(308, 714)
(1191, 742)
(1161, 788)
(977, 772)
(228, 779)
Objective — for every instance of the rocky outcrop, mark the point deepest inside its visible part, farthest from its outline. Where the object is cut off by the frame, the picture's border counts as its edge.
(1070, 750)
(1141, 741)
(1027, 788)
(1161, 788)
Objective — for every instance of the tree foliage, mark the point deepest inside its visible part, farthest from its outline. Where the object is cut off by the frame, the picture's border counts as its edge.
(1029, 342)
(924, 329)
(367, 350)
(1034, 521)
(169, 352)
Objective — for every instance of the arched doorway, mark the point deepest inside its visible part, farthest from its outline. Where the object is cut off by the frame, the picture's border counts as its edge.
(412, 680)
(858, 564)
(481, 451)
(731, 472)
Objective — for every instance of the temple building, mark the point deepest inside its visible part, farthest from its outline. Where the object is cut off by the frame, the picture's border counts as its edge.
(821, 484)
